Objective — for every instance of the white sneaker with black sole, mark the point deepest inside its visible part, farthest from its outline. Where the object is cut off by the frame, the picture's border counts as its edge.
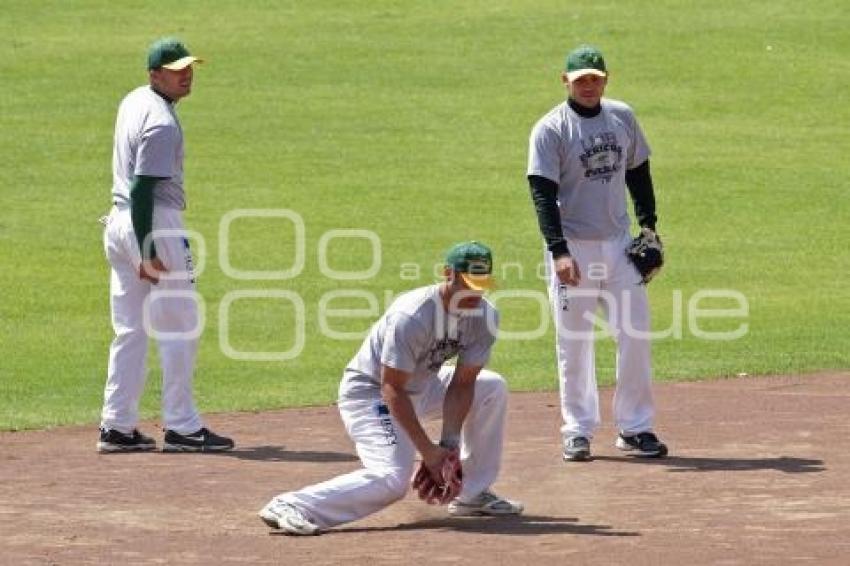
(281, 515)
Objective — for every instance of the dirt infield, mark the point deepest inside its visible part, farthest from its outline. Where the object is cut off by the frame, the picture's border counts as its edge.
(759, 473)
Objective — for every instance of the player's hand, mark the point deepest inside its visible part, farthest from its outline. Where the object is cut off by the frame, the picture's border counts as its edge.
(567, 270)
(150, 270)
(440, 486)
(434, 459)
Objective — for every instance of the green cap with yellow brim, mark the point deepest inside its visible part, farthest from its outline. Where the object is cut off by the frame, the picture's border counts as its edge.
(170, 53)
(473, 261)
(585, 60)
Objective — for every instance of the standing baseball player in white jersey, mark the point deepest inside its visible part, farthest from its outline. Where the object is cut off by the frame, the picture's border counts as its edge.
(398, 377)
(152, 284)
(582, 156)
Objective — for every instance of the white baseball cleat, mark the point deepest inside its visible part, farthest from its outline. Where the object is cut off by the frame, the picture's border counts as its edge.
(284, 516)
(485, 503)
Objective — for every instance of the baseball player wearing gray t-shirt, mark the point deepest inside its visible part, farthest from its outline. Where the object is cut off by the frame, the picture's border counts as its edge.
(152, 288)
(417, 336)
(583, 155)
(397, 377)
(148, 142)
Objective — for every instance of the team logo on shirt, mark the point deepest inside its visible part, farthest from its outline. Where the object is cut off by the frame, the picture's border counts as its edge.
(442, 350)
(601, 156)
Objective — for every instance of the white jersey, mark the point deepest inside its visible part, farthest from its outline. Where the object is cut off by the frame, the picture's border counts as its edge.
(588, 158)
(417, 336)
(148, 141)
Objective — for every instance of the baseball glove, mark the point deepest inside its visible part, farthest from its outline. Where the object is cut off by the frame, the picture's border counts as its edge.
(646, 252)
(441, 490)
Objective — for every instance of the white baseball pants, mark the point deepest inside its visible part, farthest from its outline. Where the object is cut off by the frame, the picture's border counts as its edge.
(388, 455)
(610, 281)
(168, 310)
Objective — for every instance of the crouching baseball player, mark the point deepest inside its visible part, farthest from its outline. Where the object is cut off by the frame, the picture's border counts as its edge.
(397, 378)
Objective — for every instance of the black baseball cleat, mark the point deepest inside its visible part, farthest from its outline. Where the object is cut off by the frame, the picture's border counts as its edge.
(642, 444)
(203, 440)
(112, 441)
(576, 449)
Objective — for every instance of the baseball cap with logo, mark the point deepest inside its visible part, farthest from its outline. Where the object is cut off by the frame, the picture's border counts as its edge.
(170, 53)
(585, 60)
(473, 261)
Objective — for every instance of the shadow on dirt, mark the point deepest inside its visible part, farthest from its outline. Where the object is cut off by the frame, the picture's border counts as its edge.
(280, 454)
(691, 464)
(517, 525)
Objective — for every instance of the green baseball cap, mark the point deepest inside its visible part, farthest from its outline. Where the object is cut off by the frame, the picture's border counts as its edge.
(474, 262)
(170, 53)
(585, 60)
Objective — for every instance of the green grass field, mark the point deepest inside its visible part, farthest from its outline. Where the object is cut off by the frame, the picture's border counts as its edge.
(411, 120)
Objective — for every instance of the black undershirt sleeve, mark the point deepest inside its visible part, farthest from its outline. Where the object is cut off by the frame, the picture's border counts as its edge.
(141, 211)
(639, 182)
(544, 194)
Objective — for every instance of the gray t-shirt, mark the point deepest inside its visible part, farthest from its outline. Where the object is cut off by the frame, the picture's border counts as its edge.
(588, 158)
(417, 336)
(148, 141)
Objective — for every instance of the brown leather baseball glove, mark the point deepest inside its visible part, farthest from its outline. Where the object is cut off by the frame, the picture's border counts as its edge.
(442, 489)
